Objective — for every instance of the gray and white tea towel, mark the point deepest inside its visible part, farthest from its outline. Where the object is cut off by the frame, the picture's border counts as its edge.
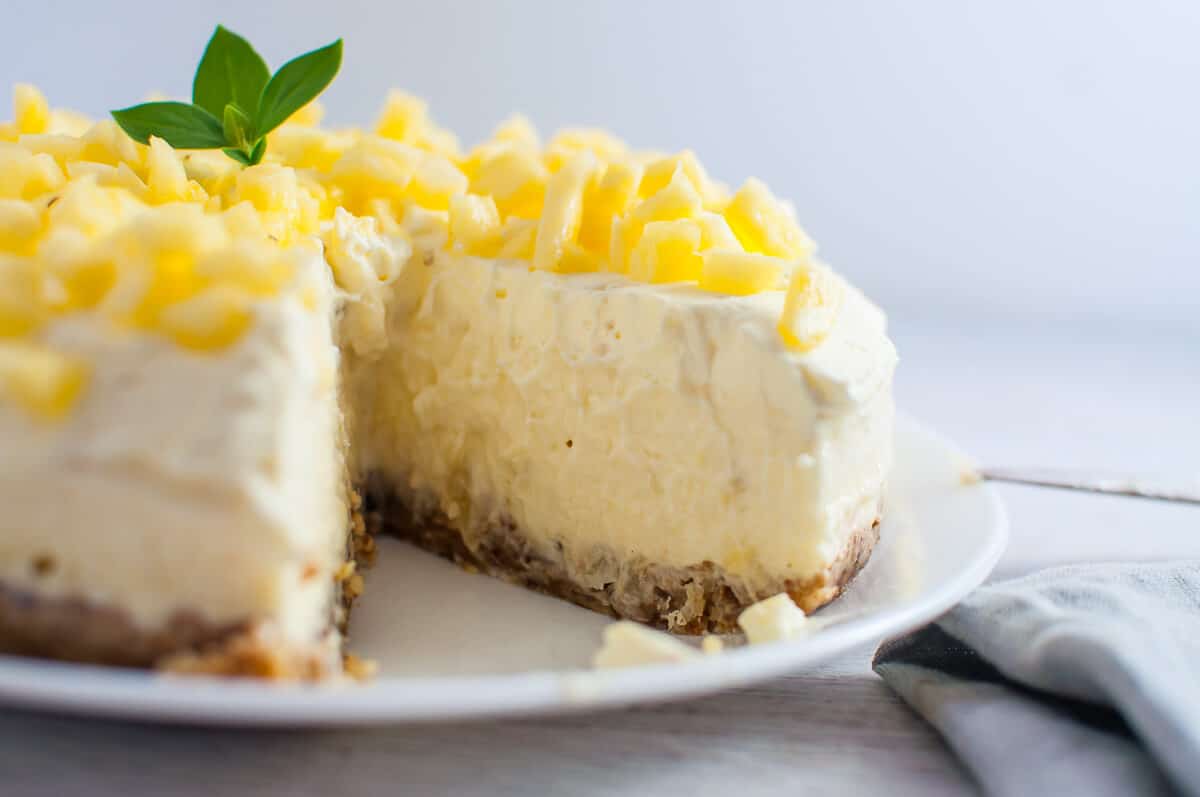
(1076, 680)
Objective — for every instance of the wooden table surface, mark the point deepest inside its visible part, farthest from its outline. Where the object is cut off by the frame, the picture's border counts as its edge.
(1067, 396)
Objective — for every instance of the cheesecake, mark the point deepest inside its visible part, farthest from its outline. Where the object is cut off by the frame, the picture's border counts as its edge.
(591, 371)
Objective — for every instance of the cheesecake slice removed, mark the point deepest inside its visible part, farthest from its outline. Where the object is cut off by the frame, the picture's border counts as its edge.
(587, 370)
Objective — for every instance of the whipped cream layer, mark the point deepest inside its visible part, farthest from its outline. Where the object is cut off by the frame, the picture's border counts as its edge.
(652, 421)
(205, 483)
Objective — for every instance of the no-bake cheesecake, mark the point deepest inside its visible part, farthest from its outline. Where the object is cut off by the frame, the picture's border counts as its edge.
(592, 371)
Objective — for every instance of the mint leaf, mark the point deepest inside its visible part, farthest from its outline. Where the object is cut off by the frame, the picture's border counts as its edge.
(259, 150)
(235, 100)
(248, 158)
(181, 125)
(238, 155)
(230, 71)
(237, 126)
(295, 85)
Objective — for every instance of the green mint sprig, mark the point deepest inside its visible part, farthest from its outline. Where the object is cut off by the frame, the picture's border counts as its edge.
(236, 101)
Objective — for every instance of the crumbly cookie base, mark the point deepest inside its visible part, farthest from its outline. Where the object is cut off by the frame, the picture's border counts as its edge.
(694, 599)
(691, 600)
(80, 630)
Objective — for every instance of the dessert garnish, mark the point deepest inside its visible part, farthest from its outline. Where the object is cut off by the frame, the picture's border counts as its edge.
(236, 101)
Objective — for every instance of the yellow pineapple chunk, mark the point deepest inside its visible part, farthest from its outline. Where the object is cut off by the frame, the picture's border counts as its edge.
(158, 254)
(568, 143)
(563, 208)
(375, 168)
(67, 123)
(577, 260)
(288, 208)
(514, 177)
(60, 147)
(475, 224)
(26, 175)
(211, 320)
(91, 209)
(440, 141)
(660, 171)
(740, 273)
(105, 142)
(426, 228)
(268, 186)
(243, 221)
(250, 264)
(763, 224)
(667, 252)
(814, 298)
(435, 182)
(715, 232)
(31, 112)
(307, 147)
(517, 239)
(517, 129)
(606, 199)
(20, 225)
(677, 200)
(404, 117)
(165, 177)
(22, 308)
(79, 274)
(119, 176)
(44, 383)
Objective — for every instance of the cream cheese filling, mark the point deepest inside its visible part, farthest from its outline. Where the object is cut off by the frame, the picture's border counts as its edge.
(651, 421)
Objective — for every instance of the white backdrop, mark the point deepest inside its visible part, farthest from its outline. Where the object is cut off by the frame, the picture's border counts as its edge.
(955, 158)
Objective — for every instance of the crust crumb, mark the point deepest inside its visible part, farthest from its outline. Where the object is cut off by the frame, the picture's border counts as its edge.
(359, 669)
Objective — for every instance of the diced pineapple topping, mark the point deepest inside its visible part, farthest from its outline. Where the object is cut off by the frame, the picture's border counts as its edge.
(187, 244)
(20, 223)
(27, 175)
(31, 113)
(740, 273)
(167, 180)
(44, 383)
(607, 199)
(22, 308)
(814, 297)
(512, 175)
(212, 319)
(563, 209)
(667, 252)
(764, 224)
(678, 199)
(475, 224)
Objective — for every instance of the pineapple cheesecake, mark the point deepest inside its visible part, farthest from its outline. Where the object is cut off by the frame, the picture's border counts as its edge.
(592, 371)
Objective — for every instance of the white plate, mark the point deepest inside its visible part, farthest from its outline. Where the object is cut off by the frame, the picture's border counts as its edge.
(453, 645)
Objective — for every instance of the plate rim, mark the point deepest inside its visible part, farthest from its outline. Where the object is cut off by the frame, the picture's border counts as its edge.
(113, 693)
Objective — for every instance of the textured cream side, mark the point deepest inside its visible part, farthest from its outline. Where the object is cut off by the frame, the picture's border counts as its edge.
(655, 421)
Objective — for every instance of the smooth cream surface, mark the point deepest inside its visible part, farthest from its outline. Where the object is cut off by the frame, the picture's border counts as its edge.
(650, 421)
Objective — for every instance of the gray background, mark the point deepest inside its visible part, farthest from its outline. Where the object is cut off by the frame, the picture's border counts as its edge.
(984, 160)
